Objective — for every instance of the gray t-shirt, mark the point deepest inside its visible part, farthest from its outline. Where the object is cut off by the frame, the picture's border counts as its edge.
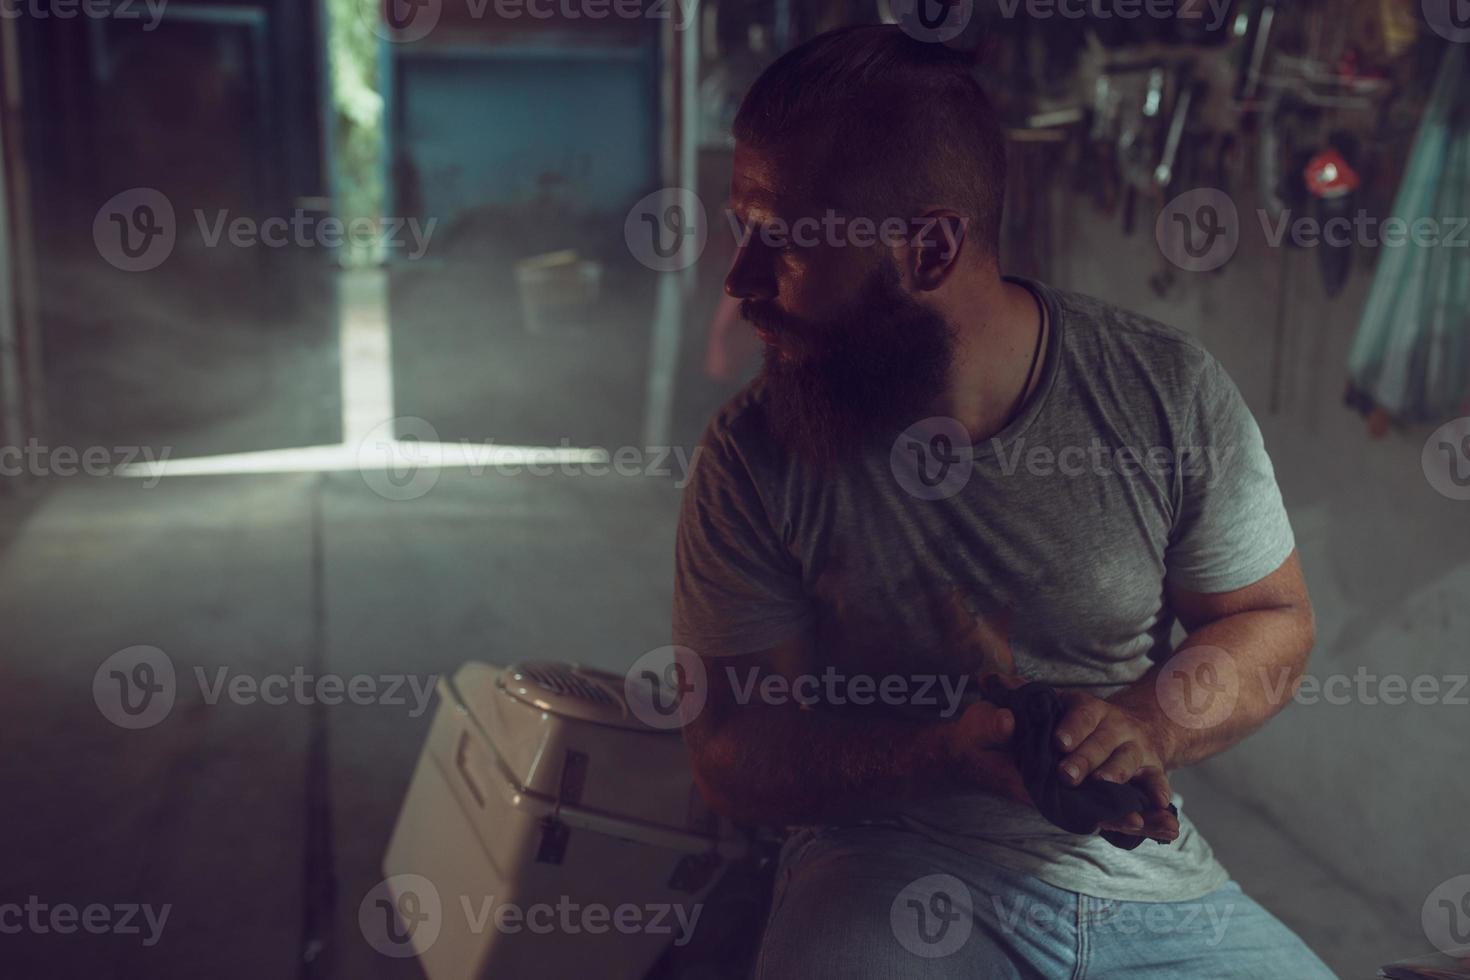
(1134, 463)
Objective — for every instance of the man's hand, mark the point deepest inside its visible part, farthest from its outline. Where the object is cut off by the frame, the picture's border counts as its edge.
(1107, 741)
(977, 742)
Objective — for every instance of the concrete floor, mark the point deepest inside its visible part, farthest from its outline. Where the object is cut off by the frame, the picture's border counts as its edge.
(209, 810)
(212, 810)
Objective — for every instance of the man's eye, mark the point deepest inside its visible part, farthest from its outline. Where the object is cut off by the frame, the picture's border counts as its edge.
(778, 239)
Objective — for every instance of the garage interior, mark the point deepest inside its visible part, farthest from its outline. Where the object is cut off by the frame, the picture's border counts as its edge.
(378, 442)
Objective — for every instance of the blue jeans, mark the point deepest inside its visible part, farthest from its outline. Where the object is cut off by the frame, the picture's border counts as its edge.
(885, 903)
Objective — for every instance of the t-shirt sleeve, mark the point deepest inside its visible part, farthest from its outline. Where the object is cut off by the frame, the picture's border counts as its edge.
(1230, 526)
(736, 589)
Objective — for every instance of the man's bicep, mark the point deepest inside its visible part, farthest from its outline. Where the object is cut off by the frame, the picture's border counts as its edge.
(737, 589)
(1231, 528)
(1284, 588)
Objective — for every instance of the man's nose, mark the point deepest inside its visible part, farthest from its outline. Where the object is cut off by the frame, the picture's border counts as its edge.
(750, 275)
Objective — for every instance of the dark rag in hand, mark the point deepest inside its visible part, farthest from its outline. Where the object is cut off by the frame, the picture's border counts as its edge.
(1078, 809)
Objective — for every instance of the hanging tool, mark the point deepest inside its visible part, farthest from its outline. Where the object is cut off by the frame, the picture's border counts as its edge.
(1139, 142)
(1100, 152)
(1333, 183)
(1257, 49)
(1189, 92)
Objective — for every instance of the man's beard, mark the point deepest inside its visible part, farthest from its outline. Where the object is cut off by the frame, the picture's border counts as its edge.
(872, 370)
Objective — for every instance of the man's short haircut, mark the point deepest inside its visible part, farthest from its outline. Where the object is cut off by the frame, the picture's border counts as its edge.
(890, 123)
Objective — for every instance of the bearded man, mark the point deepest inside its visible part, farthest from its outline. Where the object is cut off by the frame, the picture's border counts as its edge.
(942, 473)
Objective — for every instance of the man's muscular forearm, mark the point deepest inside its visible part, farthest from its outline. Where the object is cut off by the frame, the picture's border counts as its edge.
(1237, 668)
(774, 765)
(1249, 661)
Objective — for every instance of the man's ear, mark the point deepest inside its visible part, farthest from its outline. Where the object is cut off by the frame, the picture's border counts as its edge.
(936, 240)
